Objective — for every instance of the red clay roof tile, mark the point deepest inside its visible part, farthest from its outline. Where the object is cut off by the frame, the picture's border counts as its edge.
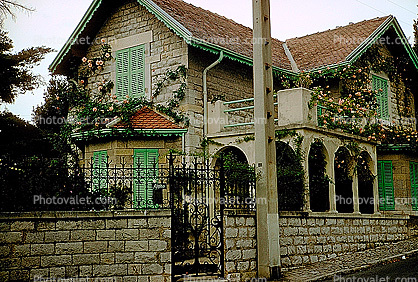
(146, 118)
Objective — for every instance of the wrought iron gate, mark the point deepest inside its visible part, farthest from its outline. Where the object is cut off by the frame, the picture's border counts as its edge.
(197, 220)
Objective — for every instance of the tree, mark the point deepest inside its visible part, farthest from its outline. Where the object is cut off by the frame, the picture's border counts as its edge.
(7, 7)
(16, 69)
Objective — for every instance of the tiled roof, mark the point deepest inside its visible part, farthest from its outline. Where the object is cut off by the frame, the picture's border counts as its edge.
(216, 29)
(146, 118)
(331, 46)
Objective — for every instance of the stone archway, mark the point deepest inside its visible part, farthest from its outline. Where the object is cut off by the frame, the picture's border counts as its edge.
(343, 167)
(290, 178)
(318, 180)
(365, 183)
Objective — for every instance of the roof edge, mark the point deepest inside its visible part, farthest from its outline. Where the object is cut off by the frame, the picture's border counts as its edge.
(391, 21)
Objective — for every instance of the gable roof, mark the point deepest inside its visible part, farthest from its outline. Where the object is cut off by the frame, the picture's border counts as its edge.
(331, 46)
(147, 118)
(214, 33)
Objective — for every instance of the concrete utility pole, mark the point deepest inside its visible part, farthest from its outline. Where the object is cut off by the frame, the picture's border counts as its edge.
(268, 247)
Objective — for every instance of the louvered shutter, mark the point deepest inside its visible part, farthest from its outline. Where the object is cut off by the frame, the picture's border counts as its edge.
(99, 171)
(413, 168)
(382, 97)
(137, 86)
(145, 176)
(385, 183)
(122, 73)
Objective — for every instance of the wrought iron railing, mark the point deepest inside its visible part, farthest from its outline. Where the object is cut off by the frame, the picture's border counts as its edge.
(129, 185)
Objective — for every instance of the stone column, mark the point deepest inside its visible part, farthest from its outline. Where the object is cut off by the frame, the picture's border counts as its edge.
(331, 175)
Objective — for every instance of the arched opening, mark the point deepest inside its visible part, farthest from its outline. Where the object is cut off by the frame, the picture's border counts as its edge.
(343, 181)
(239, 180)
(289, 178)
(365, 183)
(318, 179)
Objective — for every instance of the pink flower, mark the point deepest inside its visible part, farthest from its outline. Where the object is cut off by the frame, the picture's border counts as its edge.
(111, 108)
(94, 109)
(107, 55)
(103, 40)
(125, 101)
(84, 59)
(100, 88)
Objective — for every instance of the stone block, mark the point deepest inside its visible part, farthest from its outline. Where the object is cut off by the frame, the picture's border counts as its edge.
(82, 235)
(154, 222)
(137, 223)
(233, 255)
(116, 223)
(244, 244)
(57, 272)
(35, 237)
(95, 247)
(19, 275)
(42, 249)
(136, 246)
(22, 226)
(110, 270)
(86, 259)
(117, 246)
(57, 236)
(144, 257)
(127, 234)
(21, 250)
(51, 261)
(11, 237)
(124, 257)
(231, 232)
(69, 248)
(107, 258)
(157, 245)
(38, 274)
(152, 268)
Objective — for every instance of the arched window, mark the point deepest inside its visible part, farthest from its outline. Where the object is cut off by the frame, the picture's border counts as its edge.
(289, 178)
(318, 180)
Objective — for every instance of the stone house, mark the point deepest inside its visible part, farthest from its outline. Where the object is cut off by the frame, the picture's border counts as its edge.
(167, 34)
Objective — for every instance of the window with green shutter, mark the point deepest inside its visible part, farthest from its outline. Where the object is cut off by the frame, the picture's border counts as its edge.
(145, 177)
(382, 96)
(386, 190)
(99, 177)
(130, 72)
(413, 169)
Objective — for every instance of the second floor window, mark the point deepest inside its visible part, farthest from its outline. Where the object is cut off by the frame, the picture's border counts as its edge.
(382, 96)
(130, 72)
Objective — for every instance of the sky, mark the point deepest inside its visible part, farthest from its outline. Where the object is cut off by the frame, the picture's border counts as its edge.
(53, 21)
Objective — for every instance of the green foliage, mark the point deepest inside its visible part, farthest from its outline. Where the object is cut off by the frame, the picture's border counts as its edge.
(290, 176)
(415, 26)
(283, 133)
(16, 69)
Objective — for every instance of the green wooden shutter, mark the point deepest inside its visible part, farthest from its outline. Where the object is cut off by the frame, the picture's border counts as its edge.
(382, 96)
(413, 169)
(145, 176)
(137, 82)
(100, 171)
(122, 74)
(385, 183)
(130, 72)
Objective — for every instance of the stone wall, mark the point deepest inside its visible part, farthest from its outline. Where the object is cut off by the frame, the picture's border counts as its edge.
(240, 246)
(127, 246)
(313, 239)
(401, 180)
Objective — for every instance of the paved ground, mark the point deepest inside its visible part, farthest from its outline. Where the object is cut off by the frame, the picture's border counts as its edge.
(353, 262)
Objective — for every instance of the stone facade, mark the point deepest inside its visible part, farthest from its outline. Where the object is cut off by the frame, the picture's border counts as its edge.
(305, 240)
(123, 150)
(123, 246)
(240, 246)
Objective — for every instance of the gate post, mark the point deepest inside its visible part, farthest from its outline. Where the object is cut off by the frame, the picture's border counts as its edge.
(221, 214)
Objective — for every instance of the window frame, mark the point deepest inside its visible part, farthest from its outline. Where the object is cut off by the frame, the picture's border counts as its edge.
(100, 171)
(382, 96)
(385, 189)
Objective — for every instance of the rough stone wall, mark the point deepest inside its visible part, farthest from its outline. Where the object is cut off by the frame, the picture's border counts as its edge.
(123, 246)
(240, 247)
(309, 240)
(401, 179)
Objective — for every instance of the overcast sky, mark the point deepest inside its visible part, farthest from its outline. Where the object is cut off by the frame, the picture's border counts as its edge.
(54, 20)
